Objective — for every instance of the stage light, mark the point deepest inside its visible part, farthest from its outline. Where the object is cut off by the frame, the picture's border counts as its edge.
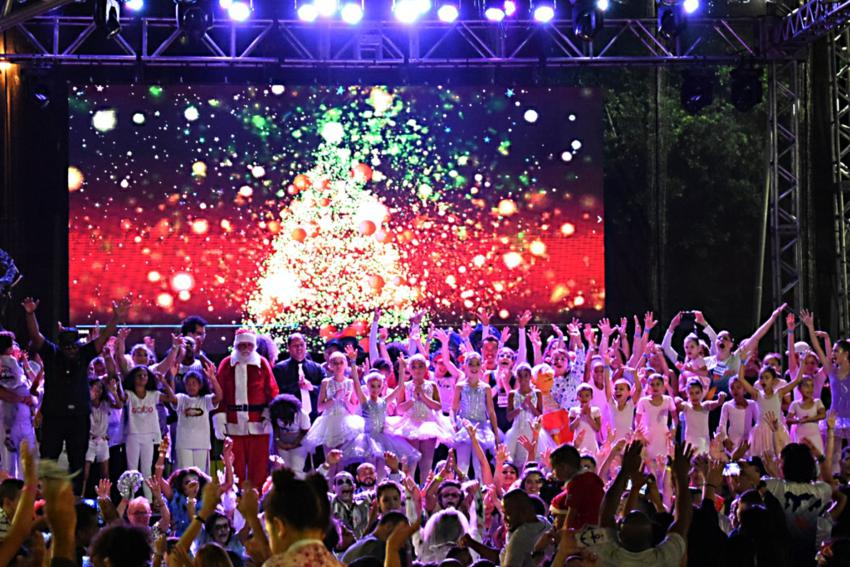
(587, 18)
(448, 13)
(134, 5)
(326, 8)
(544, 12)
(106, 16)
(307, 13)
(351, 13)
(494, 14)
(195, 18)
(690, 6)
(424, 6)
(239, 11)
(603, 5)
(745, 89)
(225, 4)
(697, 90)
(510, 8)
(407, 11)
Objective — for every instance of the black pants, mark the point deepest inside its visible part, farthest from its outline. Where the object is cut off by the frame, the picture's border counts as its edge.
(73, 432)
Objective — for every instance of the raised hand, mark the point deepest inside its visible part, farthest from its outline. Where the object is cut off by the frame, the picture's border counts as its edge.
(400, 535)
(682, 455)
(605, 327)
(391, 459)
(29, 304)
(120, 307)
(334, 457)
(559, 333)
(484, 316)
(123, 333)
(248, 502)
(466, 329)
(524, 318)
(534, 336)
(351, 353)
(676, 320)
(807, 318)
(505, 335)
(790, 321)
(649, 321)
(104, 488)
(441, 335)
(631, 458)
(778, 311)
(377, 314)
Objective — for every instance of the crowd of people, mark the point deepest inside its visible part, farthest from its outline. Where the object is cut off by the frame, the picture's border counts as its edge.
(601, 445)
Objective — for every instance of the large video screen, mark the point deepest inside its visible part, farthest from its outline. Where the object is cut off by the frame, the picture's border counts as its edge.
(315, 205)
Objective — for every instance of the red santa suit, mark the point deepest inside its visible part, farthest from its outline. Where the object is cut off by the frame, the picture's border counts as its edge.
(248, 386)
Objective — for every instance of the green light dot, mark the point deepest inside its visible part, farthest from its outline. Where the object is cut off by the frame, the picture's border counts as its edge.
(155, 90)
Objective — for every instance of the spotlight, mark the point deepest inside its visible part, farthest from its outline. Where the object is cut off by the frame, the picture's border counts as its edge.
(195, 18)
(407, 11)
(690, 6)
(587, 18)
(307, 12)
(697, 90)
(326, 8)
(351, 13)
(448, 13)
(239, 11)
(494, 13)
(509, 8)
(106, 16)
(671, 19)
(602, 5)
(134, 5)
(544, 12)
(745, 89)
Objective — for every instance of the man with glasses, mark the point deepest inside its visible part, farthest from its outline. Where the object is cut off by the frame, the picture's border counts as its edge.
(352, 512)
(300, 376)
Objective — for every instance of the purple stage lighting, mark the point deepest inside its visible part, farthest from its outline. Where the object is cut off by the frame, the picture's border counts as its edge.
(544, 13)
(135, 5)
(510, 8)
(448, 13)
(602, 5)
(239, 11)
(225, 4)
(494, 14)
(407, 11)
(307, 12)
(326, 8)
(690, 6)
(351, 13)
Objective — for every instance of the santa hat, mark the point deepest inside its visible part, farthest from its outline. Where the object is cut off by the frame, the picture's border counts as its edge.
(244, 336)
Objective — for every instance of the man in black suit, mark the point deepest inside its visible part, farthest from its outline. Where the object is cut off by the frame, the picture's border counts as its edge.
(298, 373)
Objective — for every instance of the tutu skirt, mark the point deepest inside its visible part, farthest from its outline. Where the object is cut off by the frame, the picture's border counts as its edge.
(372, 446)
(484, 434)
(408, 427)
(764, 440)
(333, 430)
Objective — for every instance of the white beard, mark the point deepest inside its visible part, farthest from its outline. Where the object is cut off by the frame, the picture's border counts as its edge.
(243, 357)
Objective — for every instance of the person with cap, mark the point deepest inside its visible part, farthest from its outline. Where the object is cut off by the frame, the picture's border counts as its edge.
(66, 406)
(248, 386)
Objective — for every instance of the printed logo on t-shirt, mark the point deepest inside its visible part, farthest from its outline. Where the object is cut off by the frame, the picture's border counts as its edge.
(193, 412)
(143, 409)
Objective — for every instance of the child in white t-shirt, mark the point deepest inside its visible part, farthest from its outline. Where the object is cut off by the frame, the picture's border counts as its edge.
(587, 418)
(290, 424)
(103, 402)
(143, 430)
(193, 419)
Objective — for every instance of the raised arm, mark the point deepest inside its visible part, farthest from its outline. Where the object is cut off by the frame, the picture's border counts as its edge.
(666, 342)
(753, 341)
(36, 338)
(167, 394)
(120, 350)
(536, 344)
(809, 321)
(120, 308)
(373, 336)
(790, 322)
(351, 353)
(682, 455)
(445, 339)
(748, 388)
(611, 501)
(522, 349)
(175, 353)
(218, 393)
(22, 520)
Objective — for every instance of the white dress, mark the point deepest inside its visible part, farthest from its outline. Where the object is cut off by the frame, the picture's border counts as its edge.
(696, 427)
(473, 408)
(522, 426)
(654, 424)
(337, 425)
(762, 438)
(736, 423)
(420, 422)
(622, 421)
(588, 443)
(810, 430)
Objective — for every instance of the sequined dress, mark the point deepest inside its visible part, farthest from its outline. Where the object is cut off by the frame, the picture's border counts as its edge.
(473, 408)
(336, 426)
(375, 440)
(420, 422)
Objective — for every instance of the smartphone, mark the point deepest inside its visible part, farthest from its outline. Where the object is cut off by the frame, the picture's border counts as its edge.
(688, 320)
(731, 469)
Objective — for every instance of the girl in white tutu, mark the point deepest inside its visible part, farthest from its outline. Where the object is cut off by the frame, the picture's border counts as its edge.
(770, 434)
(805, 414)
(375, 441)
(473, 402)
(525, 404)
(338, 425)
(420, 420)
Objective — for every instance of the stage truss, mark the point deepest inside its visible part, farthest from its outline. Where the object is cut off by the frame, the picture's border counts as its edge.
(840, 126)
(68, 40)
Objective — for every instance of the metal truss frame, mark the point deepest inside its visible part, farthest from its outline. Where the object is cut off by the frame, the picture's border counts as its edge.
(68, 40)
(810, 21)
(785, 182)
(839, 78)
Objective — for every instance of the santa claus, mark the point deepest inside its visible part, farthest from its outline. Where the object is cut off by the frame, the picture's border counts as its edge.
(248, 386)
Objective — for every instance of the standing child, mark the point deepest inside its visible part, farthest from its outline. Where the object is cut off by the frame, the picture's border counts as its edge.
(804, 415)
(653, 413)
(737, 417)
(375, 440)
(290, 423)
(770, 434)
(421, 422)
(338, 425)
(695, 413)
(143, 430)
(193, 419)
(473, 402)
(103, 402)
(622, 409)
(586, 418)
(525, 404)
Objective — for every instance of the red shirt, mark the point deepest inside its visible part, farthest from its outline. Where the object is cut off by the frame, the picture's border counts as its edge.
(583, 495)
